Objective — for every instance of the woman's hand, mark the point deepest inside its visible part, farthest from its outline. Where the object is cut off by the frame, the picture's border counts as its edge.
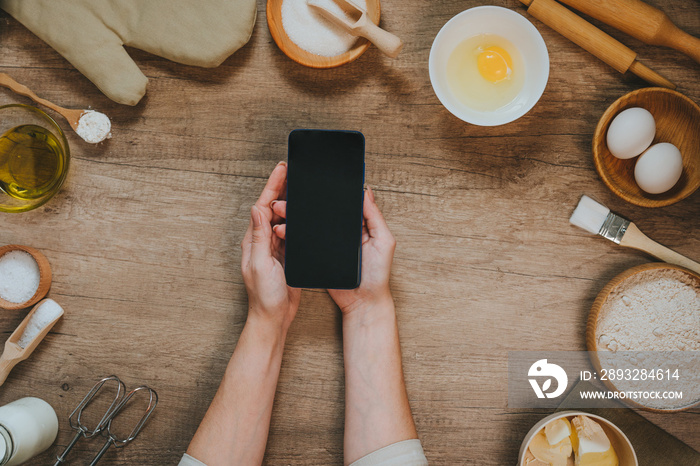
(270, 300)
(378, 246)
(235, 428)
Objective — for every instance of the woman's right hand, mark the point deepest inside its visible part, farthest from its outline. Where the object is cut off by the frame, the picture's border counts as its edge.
(270, 299)
(378, 246)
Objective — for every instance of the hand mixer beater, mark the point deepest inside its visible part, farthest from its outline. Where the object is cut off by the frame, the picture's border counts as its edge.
(104, 425)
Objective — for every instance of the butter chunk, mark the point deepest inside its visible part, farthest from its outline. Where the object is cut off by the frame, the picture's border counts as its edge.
(594, 447)
(552, 455)
(530, 460)
(557, 430)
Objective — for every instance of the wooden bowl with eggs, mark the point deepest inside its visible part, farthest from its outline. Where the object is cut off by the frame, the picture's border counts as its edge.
(301, 56)
(677, 122)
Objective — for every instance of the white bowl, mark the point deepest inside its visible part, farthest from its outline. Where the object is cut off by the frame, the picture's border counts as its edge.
(511, 26)
(622, 445)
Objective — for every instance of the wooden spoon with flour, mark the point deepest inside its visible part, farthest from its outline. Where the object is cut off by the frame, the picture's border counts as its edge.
(90, 125)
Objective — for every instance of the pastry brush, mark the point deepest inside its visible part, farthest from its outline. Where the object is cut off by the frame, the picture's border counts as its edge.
(597, 219)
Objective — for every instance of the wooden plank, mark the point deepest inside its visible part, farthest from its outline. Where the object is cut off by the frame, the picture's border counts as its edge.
(143, 239)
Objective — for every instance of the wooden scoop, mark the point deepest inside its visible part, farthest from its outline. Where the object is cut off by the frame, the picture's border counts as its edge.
(71, 115)
(14, 353)
(358, 23)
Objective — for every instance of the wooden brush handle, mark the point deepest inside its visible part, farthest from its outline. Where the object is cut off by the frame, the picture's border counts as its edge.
(634, 238)
(641, 21)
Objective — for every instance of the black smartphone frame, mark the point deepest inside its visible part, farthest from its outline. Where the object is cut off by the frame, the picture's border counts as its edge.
(309, 251)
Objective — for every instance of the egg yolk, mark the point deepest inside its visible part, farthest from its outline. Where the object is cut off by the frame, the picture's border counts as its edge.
(494, 64)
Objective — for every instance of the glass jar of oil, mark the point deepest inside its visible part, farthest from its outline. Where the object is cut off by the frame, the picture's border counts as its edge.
(34, 158)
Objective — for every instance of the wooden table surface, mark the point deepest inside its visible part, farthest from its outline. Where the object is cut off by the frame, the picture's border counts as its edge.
(144, 237)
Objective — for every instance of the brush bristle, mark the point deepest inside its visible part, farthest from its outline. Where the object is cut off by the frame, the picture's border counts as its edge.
(589, 215)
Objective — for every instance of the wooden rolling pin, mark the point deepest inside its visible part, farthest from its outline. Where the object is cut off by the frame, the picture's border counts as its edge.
(641, 21)
(590, 38)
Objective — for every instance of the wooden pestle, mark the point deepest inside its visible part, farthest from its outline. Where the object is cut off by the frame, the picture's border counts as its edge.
(592, 39)
(641, 21)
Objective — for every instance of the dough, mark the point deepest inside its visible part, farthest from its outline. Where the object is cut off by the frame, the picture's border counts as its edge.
(91, 33)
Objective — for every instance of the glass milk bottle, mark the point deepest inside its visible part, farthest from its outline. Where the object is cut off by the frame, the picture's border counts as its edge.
(28, 426)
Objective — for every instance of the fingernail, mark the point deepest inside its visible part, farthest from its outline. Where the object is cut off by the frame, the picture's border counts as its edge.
(281, 162)
(371, 193)
(272, 204)
(257, 218)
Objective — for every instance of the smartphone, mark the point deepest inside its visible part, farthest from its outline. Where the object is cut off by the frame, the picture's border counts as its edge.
(325, 190)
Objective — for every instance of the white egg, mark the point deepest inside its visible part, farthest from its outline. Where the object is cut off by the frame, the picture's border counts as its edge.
(659, 168)
(631, 132)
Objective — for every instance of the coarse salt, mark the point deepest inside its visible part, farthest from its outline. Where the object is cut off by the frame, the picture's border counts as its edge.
(94, 126)
(48, 311)
(19, 276)
(312, 32)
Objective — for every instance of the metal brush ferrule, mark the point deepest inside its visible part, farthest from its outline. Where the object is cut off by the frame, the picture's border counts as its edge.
(614, 227)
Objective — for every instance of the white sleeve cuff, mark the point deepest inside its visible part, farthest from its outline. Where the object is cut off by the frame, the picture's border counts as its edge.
(187, 460)
(405, 453)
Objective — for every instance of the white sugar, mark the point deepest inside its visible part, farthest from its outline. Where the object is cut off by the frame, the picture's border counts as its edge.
(48, 311)
(94, 126)
(19, 276)
(306, 27)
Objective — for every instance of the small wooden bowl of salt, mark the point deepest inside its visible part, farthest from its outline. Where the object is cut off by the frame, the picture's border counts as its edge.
(25, 276)
(311, 40)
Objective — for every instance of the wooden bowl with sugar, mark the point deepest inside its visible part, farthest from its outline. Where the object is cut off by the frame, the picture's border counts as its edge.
(610, 292)
(44, 277)
(299, 55)
(677, 121)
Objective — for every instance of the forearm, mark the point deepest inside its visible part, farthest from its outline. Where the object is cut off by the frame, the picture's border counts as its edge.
(235, 428)
(377, 412)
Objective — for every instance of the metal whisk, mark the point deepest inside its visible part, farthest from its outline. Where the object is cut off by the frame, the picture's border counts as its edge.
(76, 422)
(112, 439)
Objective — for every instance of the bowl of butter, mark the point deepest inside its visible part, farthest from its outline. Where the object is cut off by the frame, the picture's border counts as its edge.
(571, 438)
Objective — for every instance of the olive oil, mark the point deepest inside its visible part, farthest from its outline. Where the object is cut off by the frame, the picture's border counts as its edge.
(31, 162)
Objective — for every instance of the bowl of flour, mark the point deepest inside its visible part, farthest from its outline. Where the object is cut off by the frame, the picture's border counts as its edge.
(643, 332)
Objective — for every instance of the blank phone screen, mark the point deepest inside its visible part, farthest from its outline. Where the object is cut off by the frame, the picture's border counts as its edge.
(325, 180)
